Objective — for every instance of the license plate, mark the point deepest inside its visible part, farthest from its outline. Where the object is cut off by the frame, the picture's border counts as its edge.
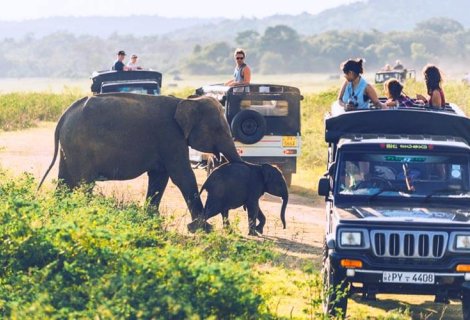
(289, 141)
(408, 277)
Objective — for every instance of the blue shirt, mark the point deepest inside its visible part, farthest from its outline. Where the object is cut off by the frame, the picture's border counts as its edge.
(237, 73)
(357, 95)
(118, 66)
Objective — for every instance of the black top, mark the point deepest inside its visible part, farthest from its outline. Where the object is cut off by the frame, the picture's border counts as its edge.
(399, 121)
(118, 66)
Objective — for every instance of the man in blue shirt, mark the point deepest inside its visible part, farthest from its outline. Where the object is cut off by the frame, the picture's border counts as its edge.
(119, 64)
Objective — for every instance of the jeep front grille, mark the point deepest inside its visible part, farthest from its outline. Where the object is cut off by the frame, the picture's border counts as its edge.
(408, 244)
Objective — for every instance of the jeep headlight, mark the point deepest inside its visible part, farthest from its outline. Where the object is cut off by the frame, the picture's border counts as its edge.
(462, 242)
(351, 238)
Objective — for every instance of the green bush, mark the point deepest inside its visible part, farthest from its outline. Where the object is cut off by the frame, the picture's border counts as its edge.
(71, 255)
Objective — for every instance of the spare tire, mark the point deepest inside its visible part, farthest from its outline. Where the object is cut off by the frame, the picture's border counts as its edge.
(248, 126)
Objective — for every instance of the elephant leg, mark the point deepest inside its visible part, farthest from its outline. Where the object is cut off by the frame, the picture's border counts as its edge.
(158, 180)
(183, 177)
(65, 178)
(262, 221)
(252, 217)
(225, 221)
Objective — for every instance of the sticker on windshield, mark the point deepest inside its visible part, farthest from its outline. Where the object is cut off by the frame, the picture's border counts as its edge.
(406, 146)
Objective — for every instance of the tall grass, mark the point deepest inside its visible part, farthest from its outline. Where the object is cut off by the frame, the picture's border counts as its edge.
(22, 110)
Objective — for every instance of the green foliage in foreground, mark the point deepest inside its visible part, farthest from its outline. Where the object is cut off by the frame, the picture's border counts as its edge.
(71, 255)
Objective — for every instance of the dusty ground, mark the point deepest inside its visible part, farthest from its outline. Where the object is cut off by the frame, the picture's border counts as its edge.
(31, 151)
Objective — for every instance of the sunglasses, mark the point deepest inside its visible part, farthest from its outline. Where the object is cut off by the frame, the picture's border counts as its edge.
(240, 58)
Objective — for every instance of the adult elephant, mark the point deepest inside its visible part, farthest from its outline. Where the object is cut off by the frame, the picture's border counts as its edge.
(119, 136)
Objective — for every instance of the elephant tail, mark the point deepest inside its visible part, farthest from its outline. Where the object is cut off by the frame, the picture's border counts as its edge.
(56, 139)
(283, 210)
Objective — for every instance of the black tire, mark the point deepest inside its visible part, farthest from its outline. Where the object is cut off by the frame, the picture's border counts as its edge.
(466, 304)
(335, 298)
(248, 126)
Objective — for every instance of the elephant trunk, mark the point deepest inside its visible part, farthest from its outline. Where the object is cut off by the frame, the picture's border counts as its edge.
(230, 153)
(283, 210)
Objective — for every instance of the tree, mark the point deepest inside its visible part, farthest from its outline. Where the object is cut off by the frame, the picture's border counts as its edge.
(440, 25)
(247, 39)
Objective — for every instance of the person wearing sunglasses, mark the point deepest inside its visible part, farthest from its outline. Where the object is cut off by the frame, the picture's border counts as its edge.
(242, 72)
(356, 93)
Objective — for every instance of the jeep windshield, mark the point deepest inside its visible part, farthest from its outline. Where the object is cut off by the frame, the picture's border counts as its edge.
(404, 174)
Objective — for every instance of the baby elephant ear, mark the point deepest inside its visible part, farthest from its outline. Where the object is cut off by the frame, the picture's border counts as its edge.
(186, 116)
(268, 171)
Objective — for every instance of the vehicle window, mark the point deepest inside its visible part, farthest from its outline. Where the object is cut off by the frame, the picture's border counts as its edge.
(131, 89)
(274, 108)
(395, 173)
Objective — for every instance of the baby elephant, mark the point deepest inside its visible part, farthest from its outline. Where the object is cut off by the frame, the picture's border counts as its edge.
(238, 184)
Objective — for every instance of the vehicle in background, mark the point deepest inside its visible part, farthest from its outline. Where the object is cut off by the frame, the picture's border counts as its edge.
(265, 123)
(397, 194)
(401, 75)
(139, 81)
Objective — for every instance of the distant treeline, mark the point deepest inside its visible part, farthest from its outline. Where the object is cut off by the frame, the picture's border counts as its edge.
(280, 49)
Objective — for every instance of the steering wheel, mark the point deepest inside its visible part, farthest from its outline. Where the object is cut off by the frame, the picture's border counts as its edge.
(374, 182)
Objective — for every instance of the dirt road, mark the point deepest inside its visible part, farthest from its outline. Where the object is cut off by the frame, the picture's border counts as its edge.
(31, 151)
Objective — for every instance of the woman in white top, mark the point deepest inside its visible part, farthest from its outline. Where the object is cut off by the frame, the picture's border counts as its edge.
(132, 64)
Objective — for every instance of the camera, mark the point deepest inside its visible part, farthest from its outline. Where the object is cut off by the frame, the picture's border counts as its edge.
(352, 103)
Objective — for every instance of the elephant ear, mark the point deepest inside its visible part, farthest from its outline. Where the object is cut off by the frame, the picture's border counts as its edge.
(267, 171)
(187, 115)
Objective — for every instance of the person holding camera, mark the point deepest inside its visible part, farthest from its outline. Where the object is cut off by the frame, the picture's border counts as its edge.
(356, 93)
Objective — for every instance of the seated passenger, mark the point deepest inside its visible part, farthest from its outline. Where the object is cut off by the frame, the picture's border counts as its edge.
(433, 79)
(132, 64)
(119, 63)
(356, 92)
(394, 92)
(387, 67)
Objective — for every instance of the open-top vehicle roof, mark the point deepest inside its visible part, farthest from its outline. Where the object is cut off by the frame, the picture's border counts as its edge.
(220, 90)
(450, 121)
(113, 76)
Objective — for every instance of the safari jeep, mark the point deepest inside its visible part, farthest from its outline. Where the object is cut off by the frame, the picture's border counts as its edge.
(397, 191)
(400, 75)
(265, 123)
(139, 81)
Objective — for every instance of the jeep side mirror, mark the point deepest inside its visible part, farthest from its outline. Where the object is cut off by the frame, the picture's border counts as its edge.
(324, 187)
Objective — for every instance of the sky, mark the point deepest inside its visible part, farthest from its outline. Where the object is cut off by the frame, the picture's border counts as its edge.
(19, 10)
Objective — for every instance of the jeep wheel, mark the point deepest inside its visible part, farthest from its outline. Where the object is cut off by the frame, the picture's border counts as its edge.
(248, 126)
(466, 304)
(335, 299)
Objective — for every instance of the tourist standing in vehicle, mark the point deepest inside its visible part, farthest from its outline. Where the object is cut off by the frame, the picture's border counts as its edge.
(394, 92)
(119, 63)
(356, 92)
(242, 72)
(398, 65)
(133, 64)
(433, 79)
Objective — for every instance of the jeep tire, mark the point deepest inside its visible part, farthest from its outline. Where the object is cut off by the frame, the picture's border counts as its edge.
(466, 304)
(335, 299)
(248, 126)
